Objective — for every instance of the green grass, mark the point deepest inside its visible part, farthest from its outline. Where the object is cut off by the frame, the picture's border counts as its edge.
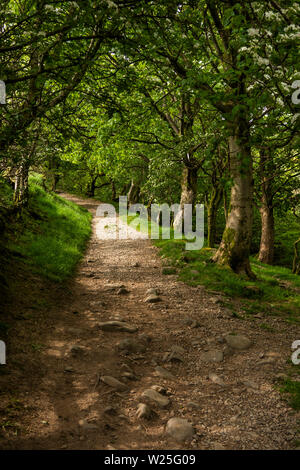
(267, 294)
(265, 326)
(291, 389)
(55, 233)
(169, 270)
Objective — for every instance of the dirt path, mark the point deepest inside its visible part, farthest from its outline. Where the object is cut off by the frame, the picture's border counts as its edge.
(65, 404)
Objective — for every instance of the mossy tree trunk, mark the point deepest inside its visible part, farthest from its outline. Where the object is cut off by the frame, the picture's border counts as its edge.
(234, 249)
(225, 205)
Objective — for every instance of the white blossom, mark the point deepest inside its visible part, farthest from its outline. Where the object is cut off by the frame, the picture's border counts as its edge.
(295, 36)
(270, 15)
(284, 37)
(292, 27)
(262, 61)
(285, 87)
(253, 32)
(49, 7)
(111, 4)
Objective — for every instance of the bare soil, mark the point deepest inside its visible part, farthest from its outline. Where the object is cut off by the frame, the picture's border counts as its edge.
(52, 397)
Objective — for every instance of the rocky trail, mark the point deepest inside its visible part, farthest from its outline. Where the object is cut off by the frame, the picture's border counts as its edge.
(135, 359)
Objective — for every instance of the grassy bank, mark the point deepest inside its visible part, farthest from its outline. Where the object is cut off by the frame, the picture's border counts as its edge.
(52, 233)
(290, 389)
(275, 292)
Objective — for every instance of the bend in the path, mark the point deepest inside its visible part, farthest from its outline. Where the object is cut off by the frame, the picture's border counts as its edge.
(82, 412)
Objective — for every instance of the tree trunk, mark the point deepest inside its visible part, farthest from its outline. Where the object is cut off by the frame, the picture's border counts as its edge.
(21, 193)
(151, 199)
(234, 249)
(225, 206)
(188, 193)
(296, 260)
(133, 194)
(113, 191)
(212, 209)
(266, 249)
(44, 182)
(92, 187)
(55, 181)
